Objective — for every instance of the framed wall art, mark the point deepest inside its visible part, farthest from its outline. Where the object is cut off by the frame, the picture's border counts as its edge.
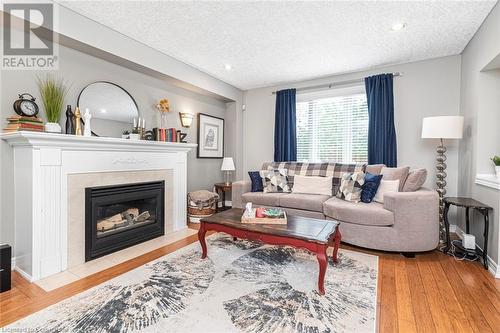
(210, 136)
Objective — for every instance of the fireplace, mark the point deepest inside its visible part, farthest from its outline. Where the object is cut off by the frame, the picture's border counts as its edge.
(120, 216)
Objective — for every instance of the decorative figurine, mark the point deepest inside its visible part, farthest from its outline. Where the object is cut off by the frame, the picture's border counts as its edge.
(78, 121)
(164, 107)
(70, 118)
(87, 130)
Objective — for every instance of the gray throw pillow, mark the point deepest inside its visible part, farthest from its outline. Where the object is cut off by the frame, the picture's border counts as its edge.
(275, 180)
(351, 186)
(396, 174)
(416, 178)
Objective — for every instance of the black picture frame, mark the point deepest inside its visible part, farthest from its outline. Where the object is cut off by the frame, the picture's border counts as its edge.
(201, 151)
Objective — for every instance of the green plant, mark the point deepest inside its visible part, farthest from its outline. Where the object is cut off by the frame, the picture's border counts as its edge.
(496, 160)
(53, 92)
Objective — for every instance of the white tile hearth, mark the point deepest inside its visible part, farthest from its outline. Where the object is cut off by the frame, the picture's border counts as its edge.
(80, 271)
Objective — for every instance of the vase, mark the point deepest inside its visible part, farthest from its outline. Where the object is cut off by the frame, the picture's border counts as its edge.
(497, 171)
(52, 128)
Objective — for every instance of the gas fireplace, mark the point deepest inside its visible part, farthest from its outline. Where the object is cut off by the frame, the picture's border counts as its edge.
(120, 216)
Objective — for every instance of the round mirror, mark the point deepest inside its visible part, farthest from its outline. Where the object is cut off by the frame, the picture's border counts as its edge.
(113, 109)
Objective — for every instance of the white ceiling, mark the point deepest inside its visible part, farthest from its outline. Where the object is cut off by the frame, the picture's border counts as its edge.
(274, 42)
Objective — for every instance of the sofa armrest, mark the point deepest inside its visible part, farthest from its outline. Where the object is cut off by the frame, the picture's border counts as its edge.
(239, 188)
(417, 212)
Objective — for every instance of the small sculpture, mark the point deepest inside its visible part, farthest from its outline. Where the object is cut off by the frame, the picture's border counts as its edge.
(78, 121)
(87, 131)
(70, 118)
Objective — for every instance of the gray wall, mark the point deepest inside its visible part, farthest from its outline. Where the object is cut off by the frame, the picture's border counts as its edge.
(480, 105)
(427, 88)
(80, 69)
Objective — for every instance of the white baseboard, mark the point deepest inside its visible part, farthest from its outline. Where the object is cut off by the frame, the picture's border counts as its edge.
(23, 274)
(13, 262)
(493, 267)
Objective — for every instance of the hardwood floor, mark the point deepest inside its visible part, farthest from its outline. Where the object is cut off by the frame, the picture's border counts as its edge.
(429, 293)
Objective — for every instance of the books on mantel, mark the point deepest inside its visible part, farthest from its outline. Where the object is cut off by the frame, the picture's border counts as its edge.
(22, 123)
(166, 134)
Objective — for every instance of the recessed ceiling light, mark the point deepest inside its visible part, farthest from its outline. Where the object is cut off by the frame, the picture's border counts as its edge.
(398, 26)
(228, 67)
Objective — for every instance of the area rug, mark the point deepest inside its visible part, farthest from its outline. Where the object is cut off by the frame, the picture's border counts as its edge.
(241, 287)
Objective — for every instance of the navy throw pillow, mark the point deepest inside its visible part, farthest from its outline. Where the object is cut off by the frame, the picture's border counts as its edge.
(370, 187)
(256, 181)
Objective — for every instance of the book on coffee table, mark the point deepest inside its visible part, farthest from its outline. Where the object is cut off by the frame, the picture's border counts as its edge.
(264, 216)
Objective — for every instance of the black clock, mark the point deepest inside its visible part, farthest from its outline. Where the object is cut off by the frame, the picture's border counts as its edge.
(26, 107)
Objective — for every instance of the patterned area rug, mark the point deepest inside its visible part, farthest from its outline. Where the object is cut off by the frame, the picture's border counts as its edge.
(241, 287)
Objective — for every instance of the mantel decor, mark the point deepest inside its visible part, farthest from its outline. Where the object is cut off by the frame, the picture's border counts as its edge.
(210, 136)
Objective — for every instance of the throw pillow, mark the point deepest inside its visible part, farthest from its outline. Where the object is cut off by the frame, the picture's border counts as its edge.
(312, 185)
(374, 169)
(370, 187)
(256, 181)
(275, 180)
(416, 178)
(384, 187)
(351, 186)
(396, 174)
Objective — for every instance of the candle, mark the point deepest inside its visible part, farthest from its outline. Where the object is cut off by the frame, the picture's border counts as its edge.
(143, 123)
(135, 123)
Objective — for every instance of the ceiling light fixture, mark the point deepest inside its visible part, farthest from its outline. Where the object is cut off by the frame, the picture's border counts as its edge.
(228, 67)
(398, 26)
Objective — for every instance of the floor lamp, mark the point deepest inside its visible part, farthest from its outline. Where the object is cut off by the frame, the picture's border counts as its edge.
(444, 127)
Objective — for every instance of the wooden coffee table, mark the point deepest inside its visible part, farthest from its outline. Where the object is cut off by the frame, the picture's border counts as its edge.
(314, 235)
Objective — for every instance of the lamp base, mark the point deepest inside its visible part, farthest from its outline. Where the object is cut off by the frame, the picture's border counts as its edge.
(441, 186)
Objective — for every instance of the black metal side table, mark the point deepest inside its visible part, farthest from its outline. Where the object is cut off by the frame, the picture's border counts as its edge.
(468, 203)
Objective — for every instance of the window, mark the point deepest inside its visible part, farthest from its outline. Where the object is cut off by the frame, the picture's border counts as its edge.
(332, 128)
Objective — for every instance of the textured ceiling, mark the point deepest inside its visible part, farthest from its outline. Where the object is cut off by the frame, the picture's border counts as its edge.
(273, 42)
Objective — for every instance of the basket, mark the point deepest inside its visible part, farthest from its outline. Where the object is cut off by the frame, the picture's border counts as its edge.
(200, 208)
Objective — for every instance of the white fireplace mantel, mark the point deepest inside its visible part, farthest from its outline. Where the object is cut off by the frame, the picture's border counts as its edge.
(42, 164)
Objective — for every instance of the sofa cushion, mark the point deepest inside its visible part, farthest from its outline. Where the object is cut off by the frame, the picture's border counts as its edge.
(358, 212)
(256, 181)
(416, 178)
(312, 202)
(261, 198)
(351, 186)
(275, 180)
(312, 185)
(400, 173)
(374, 169)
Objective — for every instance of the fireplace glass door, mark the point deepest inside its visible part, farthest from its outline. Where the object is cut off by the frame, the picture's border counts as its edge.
(123, 215)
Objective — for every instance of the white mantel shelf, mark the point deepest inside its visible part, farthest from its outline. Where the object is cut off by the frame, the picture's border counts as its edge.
(488, 180)
(37, 139)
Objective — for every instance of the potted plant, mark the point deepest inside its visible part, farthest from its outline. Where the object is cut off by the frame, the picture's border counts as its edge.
(53, 92)
(496, 161)
(125, 134)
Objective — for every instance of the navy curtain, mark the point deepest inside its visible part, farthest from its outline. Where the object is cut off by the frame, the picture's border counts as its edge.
(381, 132)
(285, 132)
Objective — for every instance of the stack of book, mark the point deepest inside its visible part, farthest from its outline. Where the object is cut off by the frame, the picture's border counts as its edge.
(21, 123)
(166, 134)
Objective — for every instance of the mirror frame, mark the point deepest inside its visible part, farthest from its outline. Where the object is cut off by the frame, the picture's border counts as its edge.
(114, 84)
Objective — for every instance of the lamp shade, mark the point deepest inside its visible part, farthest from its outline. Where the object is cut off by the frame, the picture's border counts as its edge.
(186, 119)
(443, 127)
(227, 164)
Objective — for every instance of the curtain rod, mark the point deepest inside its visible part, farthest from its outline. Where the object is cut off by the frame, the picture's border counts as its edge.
(339, 83)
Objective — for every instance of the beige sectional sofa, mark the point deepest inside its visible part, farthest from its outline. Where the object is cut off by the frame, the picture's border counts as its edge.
(405, 222)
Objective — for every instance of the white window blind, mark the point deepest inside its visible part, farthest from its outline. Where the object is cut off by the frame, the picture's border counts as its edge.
(333, 129)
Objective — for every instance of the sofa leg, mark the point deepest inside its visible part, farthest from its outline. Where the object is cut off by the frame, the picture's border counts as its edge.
(408, 254)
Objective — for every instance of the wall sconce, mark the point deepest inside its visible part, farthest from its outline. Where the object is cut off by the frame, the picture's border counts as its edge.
(186, 119)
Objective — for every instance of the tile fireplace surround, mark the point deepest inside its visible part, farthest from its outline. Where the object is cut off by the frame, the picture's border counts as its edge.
(51, 174)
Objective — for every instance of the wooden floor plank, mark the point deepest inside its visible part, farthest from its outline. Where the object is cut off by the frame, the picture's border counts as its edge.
(459, 318)
(476, 319)
(388, 311)
(421, 308)
(406, 318)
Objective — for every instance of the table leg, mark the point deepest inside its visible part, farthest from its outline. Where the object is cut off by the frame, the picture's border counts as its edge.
(201, 237)
(223, 200)
(485, 247)
(467, 220)
(323, 263)
(336, 244)
(447, 227)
